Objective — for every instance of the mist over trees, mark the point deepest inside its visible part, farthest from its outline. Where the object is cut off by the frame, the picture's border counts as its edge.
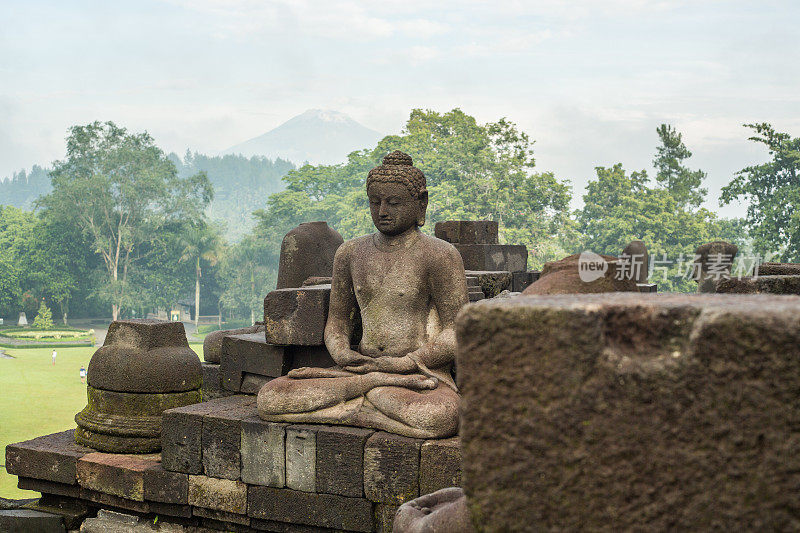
(120, 227)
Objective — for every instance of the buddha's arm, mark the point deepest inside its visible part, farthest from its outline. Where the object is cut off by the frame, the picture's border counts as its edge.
(339, 327)
(448, 287)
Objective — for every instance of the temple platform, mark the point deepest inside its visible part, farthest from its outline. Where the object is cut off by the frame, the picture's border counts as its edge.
(222, 467)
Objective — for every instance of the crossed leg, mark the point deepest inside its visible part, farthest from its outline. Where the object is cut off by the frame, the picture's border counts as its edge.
(411, 405)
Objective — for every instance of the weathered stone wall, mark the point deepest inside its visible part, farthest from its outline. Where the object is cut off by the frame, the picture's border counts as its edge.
(631, 412)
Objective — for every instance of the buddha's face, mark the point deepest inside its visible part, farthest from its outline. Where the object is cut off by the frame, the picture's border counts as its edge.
(394, 210)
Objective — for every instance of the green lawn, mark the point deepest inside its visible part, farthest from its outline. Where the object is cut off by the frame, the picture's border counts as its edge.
(38, 398)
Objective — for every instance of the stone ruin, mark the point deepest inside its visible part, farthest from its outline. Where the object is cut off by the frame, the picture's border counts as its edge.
(579, 412)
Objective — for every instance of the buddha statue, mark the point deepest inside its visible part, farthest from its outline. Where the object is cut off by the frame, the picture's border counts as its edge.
(408, 288)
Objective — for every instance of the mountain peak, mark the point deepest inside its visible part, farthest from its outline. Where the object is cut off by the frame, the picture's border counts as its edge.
(317, 136)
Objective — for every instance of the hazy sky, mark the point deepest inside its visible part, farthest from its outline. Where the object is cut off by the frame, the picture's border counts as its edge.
(590, 80)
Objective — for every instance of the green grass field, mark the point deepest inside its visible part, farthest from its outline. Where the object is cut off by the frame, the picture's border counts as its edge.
(37, 398)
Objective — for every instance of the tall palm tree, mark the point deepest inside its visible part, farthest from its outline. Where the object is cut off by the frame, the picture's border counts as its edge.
(201, 241)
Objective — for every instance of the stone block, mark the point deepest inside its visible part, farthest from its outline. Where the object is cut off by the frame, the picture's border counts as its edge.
(628, 411)
(761, 284)
(263, 452)
(439, 465)
(491, 283)
(307, 251)
(51, 457)
(212, 344)
(301, 457)
(222, 432)
(252, 383)
(647, 287)
(117, 474)
(297, 316)
(212, 382)
(219, 494)
(391, 468)
(164, 486)
(110, 500)
(494, 257)
(779, 269)
(309, 356)
(384, 517)
(250, 353)
(49, 487)
(467, 231)
(30, 521)
(222, 516)
(72, 511)
(182, 433)
(285, 527)
(313, 509)
(340, 460)
(521, 280)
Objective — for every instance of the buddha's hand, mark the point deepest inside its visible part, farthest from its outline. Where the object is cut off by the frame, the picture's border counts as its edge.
(350, 358)
(392, 365)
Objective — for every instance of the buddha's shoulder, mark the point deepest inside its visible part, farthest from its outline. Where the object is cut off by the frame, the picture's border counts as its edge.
(350, 246)
(439, 247)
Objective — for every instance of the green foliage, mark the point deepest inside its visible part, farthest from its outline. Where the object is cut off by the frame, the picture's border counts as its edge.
(248, 271)
(44, 318)
(683, 184)
(473, 171)
(240, 186)
(122, 192)
(773, 192)
(22, 188)
(620, 207)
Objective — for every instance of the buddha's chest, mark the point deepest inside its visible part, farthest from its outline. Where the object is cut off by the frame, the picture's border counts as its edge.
(390, 278)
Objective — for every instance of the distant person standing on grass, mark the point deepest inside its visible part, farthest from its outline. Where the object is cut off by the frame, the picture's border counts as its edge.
(83, 374)
(54, 356)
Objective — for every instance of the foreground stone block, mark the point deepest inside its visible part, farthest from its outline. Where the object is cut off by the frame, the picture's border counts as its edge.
(494, 257)
(71, 511)
(321, 510)
(49, 487)
(631, 411)
(340, 460)
(218, 494)
(221, 440)
(182, 433)
(263, 452)
(297, 316)
(391, 468)
(467, 231)
(439, 465)
(51, 457)
(760, 284)
(117, 474)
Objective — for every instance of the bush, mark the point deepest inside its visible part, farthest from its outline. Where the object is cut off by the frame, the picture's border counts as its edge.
(44, 319)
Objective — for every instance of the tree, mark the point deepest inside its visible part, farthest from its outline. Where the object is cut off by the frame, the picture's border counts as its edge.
(248, 271)
(621, 206)
(473, 171)
(773, 192)
(200, 242)
(121, 190)
(44, 318)
(683, 184)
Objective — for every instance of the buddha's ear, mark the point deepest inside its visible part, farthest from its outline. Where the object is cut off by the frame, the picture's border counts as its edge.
(423, 206)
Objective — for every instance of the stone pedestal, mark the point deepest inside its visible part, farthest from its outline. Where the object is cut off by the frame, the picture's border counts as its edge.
(143, 368)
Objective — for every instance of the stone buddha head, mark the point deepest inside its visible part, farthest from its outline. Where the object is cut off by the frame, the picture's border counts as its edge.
(397, 194)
